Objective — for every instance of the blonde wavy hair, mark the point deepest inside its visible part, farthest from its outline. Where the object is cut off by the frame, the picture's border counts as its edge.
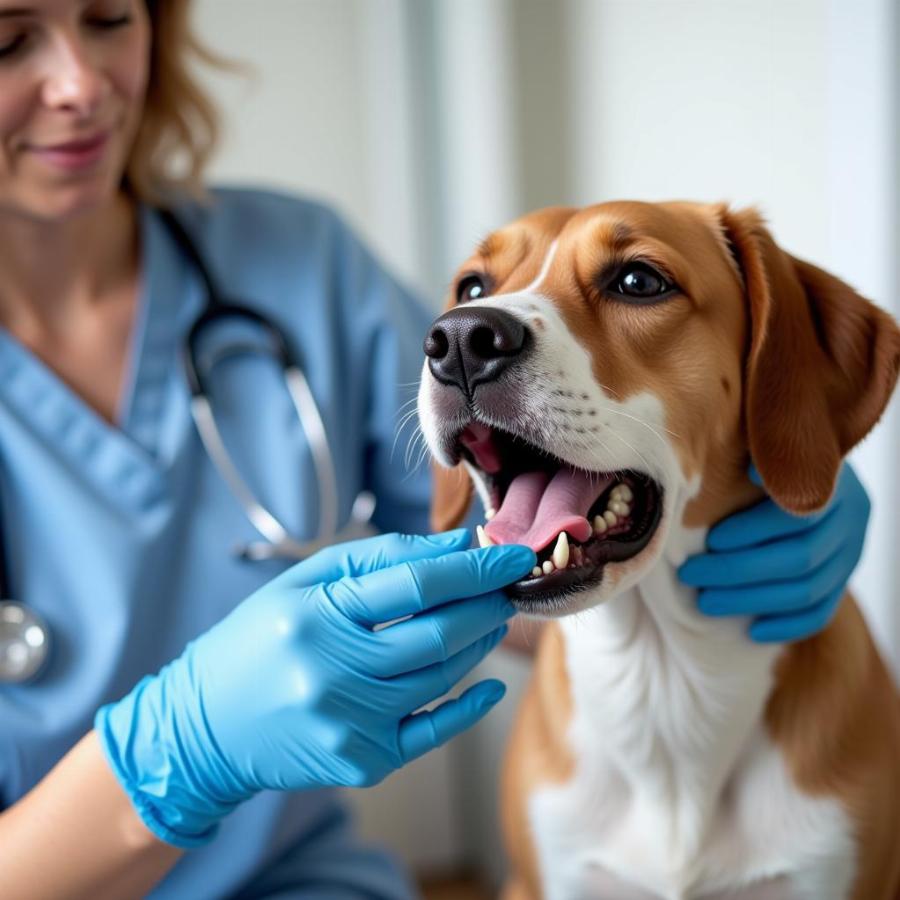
(180, 127)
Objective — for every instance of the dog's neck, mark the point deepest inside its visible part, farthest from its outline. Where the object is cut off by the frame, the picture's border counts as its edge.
(665, 698)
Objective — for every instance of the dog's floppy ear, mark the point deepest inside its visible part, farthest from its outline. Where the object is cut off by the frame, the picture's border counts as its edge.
(451, 496)
(821, 366)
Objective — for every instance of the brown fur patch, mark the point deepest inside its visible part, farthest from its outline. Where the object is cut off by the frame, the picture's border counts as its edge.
(836, 718)
(537, 754)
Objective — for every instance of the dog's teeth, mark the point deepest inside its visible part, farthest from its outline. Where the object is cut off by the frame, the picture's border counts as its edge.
(483, 539)
(620, 508)
(561, 551)
(622, 493)
(537, 571)
(489, 514)
(600, 524)
(547, 567)
(610, 517)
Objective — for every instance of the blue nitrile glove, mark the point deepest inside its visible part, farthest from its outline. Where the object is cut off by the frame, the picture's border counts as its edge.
(295, 690)
(788, 571)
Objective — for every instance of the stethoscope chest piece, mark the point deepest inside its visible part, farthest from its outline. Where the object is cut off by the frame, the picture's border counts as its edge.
(24, 643)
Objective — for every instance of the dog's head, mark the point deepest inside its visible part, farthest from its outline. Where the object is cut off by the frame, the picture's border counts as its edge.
(602, 373)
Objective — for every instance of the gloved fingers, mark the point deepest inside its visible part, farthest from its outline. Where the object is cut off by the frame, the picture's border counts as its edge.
(421, 687)
(426, 730)
(760, 523)
(355, 558)
(789, 558)
(435, 636)
(850, 490)
(796, 626)
(767, 522)
(422, 584)
(782, 596)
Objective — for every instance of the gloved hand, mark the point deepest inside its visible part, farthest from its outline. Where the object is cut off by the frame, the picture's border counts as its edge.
(788, 571)
(295, 690)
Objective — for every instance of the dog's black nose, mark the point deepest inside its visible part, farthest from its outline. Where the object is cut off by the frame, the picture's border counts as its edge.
(471, 345)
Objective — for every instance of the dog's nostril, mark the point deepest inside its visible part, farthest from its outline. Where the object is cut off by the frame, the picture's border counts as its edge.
(486, 343)
(436, 344)
(496, 338)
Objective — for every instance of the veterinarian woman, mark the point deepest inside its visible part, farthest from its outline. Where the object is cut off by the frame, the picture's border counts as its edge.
(197, 706)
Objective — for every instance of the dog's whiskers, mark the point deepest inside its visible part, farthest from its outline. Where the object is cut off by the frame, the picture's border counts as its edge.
(407, 418)
(423, 455)
(411, 445)
(650, 470)
(640, 421)
(411, 449)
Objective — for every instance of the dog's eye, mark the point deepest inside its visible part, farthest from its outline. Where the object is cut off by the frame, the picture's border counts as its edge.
(471, 287)
(642, 282)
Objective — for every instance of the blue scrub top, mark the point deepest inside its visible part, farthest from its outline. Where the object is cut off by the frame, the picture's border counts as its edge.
(121, 536)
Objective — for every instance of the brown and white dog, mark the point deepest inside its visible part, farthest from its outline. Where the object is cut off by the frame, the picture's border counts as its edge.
(604, 376)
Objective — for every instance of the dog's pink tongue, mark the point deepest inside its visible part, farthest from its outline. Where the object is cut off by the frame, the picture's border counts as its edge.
(537, 508)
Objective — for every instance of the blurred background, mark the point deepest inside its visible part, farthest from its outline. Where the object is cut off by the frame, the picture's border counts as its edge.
(428, 123)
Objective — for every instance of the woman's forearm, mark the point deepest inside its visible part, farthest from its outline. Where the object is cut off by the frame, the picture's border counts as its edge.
(76, 835)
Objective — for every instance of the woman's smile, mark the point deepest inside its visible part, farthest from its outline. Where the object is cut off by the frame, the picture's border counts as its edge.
(74, 155)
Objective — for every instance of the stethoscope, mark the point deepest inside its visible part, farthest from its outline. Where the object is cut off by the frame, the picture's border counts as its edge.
(25, 637)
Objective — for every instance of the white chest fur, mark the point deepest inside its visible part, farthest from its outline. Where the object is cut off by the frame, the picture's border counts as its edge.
(677, 791)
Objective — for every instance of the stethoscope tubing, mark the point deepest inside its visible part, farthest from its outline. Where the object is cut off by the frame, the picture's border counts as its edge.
(25, 637)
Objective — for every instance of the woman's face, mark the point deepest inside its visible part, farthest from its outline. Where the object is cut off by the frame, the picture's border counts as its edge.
(73, 74)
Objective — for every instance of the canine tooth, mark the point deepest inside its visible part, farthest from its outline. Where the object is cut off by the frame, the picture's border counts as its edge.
(616, 492)
(547, 567)
(626, 493)
(561, 551)
(483, 539)
(610, 517)
(600, 524)
(489, 514)
(620, 508)
(536, 571)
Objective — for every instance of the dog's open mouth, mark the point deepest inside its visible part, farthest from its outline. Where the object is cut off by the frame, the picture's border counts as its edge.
(576, 521)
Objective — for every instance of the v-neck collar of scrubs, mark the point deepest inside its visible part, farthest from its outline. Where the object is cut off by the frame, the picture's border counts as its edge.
(125, 462)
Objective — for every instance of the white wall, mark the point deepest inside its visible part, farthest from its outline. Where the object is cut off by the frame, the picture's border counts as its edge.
(324, 110)
(428, 122)
(706, 101)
